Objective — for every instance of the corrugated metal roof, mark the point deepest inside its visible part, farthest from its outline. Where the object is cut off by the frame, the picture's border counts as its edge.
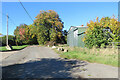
(76, 27)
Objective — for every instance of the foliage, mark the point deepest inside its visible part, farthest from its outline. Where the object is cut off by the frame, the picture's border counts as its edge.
(31, 35)
(25, 34)
(19, 33)
(11, 40)
(64, 37)
(98, 36)
(49, 26)
(65, 34)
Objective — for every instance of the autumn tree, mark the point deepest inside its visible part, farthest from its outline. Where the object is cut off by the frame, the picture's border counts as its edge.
(49, 26)
(96, 36)
(18, 34)
(24, 34)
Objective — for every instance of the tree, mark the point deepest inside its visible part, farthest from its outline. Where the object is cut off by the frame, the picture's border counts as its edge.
(95, 35)
(11, 40)
(64, 37)
(25, 34)
(31, 33)
(113, 24)
(49, 26)
(19, 33)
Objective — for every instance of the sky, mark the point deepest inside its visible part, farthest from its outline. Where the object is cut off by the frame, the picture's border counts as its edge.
(61, 0)
(71, 13)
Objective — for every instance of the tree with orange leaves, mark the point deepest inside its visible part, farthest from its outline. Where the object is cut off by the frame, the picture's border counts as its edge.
(96, 36)
(49, 26)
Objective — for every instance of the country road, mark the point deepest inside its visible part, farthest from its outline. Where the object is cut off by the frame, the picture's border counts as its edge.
(43, 62)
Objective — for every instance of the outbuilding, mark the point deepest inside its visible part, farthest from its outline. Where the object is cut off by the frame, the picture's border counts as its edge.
(75, 36)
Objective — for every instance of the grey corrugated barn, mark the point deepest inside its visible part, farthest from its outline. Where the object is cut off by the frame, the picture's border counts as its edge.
(75, 36)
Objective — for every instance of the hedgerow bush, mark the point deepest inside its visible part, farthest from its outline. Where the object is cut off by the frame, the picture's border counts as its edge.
(101, 32)
(11, 40)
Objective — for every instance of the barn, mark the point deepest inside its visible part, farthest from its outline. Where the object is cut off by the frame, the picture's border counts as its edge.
(75, 36)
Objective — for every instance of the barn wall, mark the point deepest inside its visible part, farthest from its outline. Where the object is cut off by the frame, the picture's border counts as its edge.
(81, 36)
(70, 39)
(75, 36)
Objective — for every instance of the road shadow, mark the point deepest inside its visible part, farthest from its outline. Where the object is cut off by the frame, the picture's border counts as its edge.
(44, 68)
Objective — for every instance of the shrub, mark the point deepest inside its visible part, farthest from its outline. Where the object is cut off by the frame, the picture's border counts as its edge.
(11, 40)
(25, 34)
(101, 32)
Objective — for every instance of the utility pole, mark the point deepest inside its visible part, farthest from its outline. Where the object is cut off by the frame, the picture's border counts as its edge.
(7, 32)
(8, 47)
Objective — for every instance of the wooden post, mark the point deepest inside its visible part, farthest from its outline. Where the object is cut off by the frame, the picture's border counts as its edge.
(7, 46)
(7, 32)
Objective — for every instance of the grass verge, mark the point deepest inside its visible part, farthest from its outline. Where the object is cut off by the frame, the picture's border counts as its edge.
(3, 48)
(82, 54)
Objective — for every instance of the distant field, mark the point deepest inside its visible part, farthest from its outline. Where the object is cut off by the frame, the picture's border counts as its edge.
(3, 48)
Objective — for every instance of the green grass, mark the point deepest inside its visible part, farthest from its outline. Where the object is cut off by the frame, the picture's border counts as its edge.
(19, 47)
(3, 48)
(109, 59)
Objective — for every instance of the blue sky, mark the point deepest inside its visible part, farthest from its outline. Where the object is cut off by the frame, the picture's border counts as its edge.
(71, 13)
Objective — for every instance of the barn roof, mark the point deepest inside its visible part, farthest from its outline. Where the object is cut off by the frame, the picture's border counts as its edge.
(76, 27)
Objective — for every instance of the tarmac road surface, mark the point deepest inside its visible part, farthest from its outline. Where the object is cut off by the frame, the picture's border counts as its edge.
(43, 62)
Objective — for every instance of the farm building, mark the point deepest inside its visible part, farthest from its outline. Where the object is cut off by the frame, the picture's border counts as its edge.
(75, 36)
